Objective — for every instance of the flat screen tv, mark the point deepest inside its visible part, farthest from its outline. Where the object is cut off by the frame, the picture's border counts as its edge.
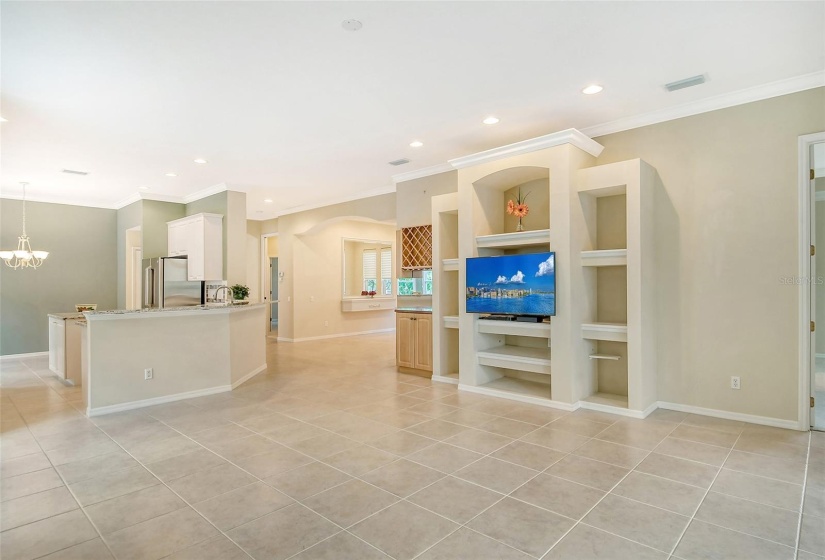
(512, 285)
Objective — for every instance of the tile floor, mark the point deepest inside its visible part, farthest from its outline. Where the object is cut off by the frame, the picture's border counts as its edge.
(355, 461)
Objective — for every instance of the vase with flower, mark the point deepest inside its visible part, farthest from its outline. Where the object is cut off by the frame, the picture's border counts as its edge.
(518, 208)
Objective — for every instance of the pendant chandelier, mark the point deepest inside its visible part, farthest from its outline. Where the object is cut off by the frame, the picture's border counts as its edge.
(24, 257)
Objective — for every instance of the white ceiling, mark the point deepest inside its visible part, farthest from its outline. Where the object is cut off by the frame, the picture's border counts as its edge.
(287, 105)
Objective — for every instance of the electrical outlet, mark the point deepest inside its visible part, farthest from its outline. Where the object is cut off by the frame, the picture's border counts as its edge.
(734, 382)
(148, 374)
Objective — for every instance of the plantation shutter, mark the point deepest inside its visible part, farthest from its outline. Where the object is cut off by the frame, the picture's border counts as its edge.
(386, 270)
(370, 269)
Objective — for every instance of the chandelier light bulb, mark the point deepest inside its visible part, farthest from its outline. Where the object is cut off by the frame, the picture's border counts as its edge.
(24, 257)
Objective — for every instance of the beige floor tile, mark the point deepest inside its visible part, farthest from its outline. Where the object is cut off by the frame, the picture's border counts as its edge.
(774, 524)
(96, 466)
(23, 465)
(283, 533)
(196, 421)
(34, 507)
(664, 415)
(65, 455)
(404, 530)
(29, 483)
(536, 415)
(756, 443)
(559, 496)
(588, 543)
(402, 443)
(588, 472)
(219, 548)
(702, 435)
(455, 499)
(613, 453)
(281, 459)
(403, 477)
(492, 405)
(342, 545)
(360, 460)
(223, 433)
(293, 433)
(555, 439)
(468, 418)
(580, 426)
(161, 536)
(771, 467)
(401, 418)
(496, 475)
(642, 434)
(437, 429)
(693, 451)
(759, 489)
(177, 467)
(94, 549)
(444, 457)
(802, 555)
(238, 449)
(638, 522)
(242, 505)
(89, 435)
(537, 531)
(466, 543)
(308, 480)
(324, 445)
(46, 536)
(812, 535)
(350, 502)
(131, 509)
(703, 540)
(528, 455)
(814, 501)
(432, 409)
(718, 424)
(158, 450)
(661, 492)
(202, 485)
(680, 470)
(479, 441)
(112, 484)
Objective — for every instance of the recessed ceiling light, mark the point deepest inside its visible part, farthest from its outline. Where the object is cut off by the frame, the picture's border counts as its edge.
(490, 120)
(171, 174)
(352, 24)
(201, 160)
(591, 89)
(416, 144)
(268, 200)
(144, 188)
(3, 120)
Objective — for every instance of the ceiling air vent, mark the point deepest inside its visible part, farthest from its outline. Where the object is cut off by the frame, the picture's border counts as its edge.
(400, 161)
(686, 83)
(75, 172)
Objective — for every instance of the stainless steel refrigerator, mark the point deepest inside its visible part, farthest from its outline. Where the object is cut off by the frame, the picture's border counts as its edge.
(165, 284)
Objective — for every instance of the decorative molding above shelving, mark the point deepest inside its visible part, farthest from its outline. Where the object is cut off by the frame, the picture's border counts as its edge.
(615, 332)
(449, 265)
(514, 240)
(606, 257)
(569, 136)
(451, 321)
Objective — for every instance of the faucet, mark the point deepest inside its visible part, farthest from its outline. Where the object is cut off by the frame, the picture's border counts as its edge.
(228, 293)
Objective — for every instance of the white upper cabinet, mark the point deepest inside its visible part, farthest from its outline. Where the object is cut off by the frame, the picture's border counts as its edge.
(200, 238)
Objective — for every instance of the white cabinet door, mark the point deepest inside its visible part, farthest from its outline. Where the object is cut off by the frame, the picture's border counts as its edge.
(176, 242)
(57, 346)
(200, 238)
(194, 242)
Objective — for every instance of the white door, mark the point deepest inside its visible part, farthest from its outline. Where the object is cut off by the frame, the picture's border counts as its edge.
(817, 286)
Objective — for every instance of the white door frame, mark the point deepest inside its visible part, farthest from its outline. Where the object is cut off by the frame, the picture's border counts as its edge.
(264, 273)
(806, 314)
(137, 277)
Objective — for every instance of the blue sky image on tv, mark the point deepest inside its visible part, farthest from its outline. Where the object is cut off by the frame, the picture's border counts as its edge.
(512, 284)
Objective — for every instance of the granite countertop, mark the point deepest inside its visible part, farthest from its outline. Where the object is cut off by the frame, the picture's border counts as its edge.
(190, 308)
(74, 315)
(413, 309)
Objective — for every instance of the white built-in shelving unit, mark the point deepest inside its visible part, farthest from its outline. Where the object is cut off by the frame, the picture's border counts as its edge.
(445, 288)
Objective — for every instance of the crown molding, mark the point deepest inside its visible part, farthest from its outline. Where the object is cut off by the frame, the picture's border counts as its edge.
(388, 189)
(423, 172)
(89, 203)
(741, 97)
(569, 136)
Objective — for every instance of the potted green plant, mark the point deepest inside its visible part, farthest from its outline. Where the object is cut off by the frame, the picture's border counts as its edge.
(239, 293)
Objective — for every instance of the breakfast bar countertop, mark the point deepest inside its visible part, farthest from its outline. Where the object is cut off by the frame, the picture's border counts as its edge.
(413, 309)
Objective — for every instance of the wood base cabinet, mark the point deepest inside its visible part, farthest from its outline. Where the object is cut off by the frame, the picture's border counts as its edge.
(414, 343)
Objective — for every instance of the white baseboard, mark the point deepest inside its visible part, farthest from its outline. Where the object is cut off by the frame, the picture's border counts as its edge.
(21, 356)
(640, 414)
(249, 375)
(516, 397)
(448, 380)
(101, 410)
(341, 335)
(737, 416)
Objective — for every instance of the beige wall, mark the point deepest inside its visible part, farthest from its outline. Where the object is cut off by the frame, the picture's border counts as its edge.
(413, 197)
(156, 214)
(128, 217)
(726, 234)
(309, 255)
(253, 259)
(538, 201)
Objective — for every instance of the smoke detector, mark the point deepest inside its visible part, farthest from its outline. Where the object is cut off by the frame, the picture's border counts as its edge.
(686, 83)
(352, 24)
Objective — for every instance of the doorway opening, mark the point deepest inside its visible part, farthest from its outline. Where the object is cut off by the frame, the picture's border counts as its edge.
(271, 277)
(816, 171)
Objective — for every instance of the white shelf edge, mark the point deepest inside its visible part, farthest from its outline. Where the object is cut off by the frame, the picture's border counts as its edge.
(515, 357)
(449, 264)
(451, 321)
(604, 357)
(515, 328)
(615, 332)
(606, 257)
(516, 239)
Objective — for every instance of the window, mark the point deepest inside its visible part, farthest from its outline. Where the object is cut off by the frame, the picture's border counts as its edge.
(386, 271)
(427, 282)
(370, 270)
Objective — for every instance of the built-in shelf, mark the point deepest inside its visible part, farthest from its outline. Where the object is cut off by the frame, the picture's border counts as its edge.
(604, 357)
(449, 265)
(607, 399)
(615, 332)
(451, 321)
(514, 240)
(368, 304)
(519, 387)
(536, 360)
(607, 257)
(517, 328)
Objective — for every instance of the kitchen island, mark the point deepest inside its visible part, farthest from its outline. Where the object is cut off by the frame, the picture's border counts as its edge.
(131, 359)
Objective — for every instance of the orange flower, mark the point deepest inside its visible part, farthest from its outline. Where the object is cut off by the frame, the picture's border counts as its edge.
(520, 210)
(511, 206)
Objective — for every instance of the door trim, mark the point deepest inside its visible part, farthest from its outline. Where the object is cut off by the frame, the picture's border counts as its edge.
(805, 312)
(264, 261)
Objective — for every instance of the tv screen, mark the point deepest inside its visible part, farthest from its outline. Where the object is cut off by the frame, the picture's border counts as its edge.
(512, 284)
